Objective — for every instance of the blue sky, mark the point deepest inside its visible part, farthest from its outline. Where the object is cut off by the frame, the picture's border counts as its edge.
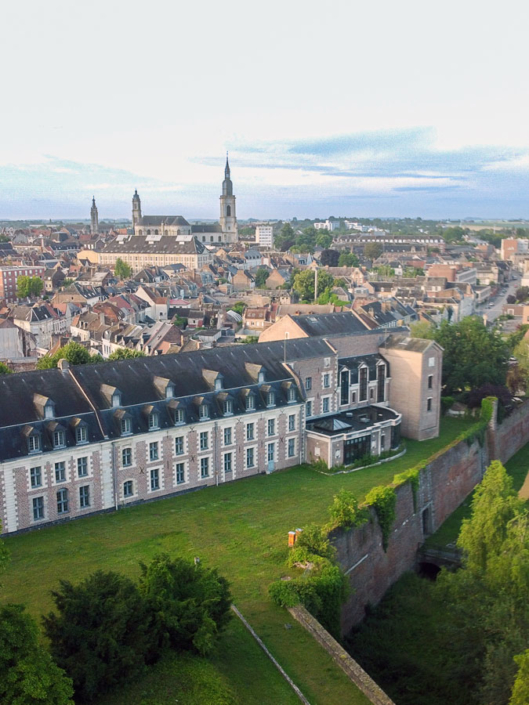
(387, 109)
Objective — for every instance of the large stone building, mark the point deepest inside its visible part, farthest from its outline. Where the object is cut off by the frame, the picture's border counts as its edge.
(177, 226)
(78, 440)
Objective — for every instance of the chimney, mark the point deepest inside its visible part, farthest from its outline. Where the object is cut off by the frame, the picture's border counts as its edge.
(102, 318)
(63, 364)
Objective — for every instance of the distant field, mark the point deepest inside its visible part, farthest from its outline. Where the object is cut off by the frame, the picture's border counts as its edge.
(240, 527)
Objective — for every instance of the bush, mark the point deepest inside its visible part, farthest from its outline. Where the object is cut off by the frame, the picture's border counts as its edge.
(190, 603)
(103, 633)
(344, 511)
(447, 403)
(383, 500)
(315, 540)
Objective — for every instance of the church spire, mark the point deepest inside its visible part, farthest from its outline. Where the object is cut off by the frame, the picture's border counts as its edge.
(227, 169)
(94, 218)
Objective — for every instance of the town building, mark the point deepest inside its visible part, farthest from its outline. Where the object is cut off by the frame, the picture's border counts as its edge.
(264, 235)
(9, 276)
(82, 439)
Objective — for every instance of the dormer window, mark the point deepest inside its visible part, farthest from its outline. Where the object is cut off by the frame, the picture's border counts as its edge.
(292, 394)
(270, 399)
(81, 434)
(203, 412)
(116, 399)
(261, 377)
(180, 416)
(34, 443)
(154, 420)
(228, 407)
(49, 410)
(218, 384)
(250, 403)
(59, 439)
(126, 426)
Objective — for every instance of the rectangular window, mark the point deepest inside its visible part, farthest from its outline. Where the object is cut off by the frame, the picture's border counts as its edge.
(429, 404)
(382, 443)
(326, 380)
(81, 435)
(430, 381)
(204, 467)
(250, 403)
(126, 426)
(179, 445)
(325, 405)
(58, 439)
(128, 488)
(84, 496)
(203, 411)
(180, 473)
(250, 432)
(60, 472)
(292, 422)
(227, 436)
(353, 398)
(62, 501)
(82, 467)
(250, 457)
(371, 393)
(431, 362)
(227, 463)
(228, 407)
(33, 443)
(204, 440)
(309, 408)
(126, 457)
(291, 447)
(308, 383)
(292, 394)
(381, 383)
(38, 508)
(270, 399)
(270, 452)
(155, 479)
(153, 421)
(35, 476)
(180, 416)
(271, 429)
(153, 450)
(363, 384)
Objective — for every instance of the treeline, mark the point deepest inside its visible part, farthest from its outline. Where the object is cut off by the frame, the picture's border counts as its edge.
(108, 629)
(463, 639)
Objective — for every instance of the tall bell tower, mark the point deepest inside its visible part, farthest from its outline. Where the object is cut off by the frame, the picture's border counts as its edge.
(136, 211)
(228, 216)
(94, 218)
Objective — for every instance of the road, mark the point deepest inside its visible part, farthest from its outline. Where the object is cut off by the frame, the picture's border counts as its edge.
(499, 301)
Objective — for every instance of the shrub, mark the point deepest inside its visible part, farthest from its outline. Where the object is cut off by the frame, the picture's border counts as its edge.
(344, 511)
(191, 604)
(383, 500)
(315, 540)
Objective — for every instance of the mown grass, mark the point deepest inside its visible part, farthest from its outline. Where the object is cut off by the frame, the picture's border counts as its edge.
(242, 529)
(517, 467)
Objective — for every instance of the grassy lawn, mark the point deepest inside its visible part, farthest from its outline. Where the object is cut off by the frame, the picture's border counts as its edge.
(517, 467)
(241, 528)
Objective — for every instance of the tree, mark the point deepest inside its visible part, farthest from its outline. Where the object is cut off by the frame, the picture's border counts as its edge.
(422, 329)
(453, 234)
(238, 307)
(122, 269)
(29, 286)
(191, 603)
(348, 259)
(330, 258)
(28, 674)
(522, 293)
(102, 633)
(324, 239)
(73, 352)
(303, 283)
(520, 691)
(261, 276)
(285, 238)
(473, 355)
(373, 250)
(4, 369)
(125, 354)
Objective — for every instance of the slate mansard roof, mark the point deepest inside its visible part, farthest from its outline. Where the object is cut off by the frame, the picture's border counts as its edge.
(166, 244)
(330, 324)
(353, 364)
(83, 394)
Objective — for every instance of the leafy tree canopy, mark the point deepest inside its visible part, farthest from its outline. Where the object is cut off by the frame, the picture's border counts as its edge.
(330, 258)
(125, 354)
(122, 269)
(373, 250)
(29, 286)
(73, 352)
(4, 369)
(303, 283)
(261, 276)
(348, 259)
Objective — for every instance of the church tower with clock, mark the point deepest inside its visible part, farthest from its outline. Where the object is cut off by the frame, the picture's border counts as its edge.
(228, 216)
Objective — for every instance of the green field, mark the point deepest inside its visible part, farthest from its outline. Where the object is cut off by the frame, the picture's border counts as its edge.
(241, 528)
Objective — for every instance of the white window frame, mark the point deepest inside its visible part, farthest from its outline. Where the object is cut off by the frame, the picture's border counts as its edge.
(254, 454)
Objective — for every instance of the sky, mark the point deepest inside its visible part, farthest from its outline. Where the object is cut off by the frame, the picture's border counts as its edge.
(386, 109)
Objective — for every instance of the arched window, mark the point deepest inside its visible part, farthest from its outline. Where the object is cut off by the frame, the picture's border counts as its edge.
(156, 232)
(140, 232)
(148, 232)
(178, 232)
(228, 210)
